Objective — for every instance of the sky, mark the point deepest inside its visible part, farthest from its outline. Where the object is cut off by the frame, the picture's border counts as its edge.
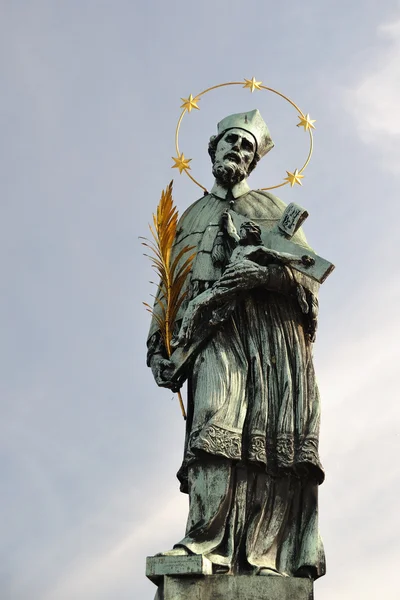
(90, 97)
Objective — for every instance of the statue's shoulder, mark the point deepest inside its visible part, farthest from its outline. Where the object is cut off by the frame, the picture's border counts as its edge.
(269, 202)
(199, 214)
(196, 207)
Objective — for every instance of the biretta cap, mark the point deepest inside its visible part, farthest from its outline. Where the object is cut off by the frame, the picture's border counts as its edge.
(253, 123)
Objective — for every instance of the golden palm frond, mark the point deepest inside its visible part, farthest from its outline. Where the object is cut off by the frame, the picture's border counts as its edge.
(172, 274)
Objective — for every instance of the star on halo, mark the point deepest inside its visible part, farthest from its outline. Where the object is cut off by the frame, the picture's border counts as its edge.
(294, 177)
(306, 122)
(252, 84)
(181, 163)
(190, 103)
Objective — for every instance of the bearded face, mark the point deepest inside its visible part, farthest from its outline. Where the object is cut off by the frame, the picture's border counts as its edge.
(234, 154)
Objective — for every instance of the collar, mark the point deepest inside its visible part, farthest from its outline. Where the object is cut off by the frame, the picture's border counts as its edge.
(238, 190)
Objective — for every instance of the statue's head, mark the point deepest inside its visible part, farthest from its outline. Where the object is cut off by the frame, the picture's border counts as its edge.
(242, 140)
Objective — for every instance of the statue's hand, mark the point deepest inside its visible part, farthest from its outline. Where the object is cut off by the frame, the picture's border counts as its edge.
(162, 370)
(243, 275)
(228, 226)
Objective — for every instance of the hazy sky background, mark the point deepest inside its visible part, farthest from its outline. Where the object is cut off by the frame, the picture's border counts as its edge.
(90, 96)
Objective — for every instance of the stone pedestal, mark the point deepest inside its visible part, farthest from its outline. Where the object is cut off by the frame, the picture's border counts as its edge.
(189, 578)
(231, 587)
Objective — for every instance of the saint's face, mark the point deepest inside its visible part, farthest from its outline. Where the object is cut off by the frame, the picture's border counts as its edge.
(236, 146)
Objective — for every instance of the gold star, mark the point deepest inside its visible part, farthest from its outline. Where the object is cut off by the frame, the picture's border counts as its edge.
(252, 84)
(181, 163)
(306, 122)
(190, 103)
(293, 178)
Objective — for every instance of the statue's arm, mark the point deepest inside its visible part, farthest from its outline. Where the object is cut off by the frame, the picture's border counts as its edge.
(277, 278)
(247, 275)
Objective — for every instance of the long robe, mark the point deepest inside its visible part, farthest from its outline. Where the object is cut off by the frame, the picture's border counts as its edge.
(251, 463)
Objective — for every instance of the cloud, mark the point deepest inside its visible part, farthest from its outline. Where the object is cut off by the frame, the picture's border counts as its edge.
(373, 102)
(118, 565)
(359, 445)
(105, 556)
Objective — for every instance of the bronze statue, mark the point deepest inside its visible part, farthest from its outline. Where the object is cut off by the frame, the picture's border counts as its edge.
(251, 465)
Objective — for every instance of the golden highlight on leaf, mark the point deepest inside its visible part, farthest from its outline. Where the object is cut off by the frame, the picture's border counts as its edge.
(172, 278)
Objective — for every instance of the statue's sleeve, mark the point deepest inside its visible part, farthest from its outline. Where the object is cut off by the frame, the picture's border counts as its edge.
(284, 280)
(280, 279)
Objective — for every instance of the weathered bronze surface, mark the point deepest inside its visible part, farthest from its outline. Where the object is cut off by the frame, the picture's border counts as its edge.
(243, 340)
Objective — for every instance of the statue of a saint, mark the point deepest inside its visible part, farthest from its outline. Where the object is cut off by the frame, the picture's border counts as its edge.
(251, 465)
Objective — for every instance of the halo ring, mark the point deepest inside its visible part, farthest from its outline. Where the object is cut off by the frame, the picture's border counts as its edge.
(258, 87)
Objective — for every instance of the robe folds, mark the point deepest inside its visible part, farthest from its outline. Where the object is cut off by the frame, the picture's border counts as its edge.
(251, 464)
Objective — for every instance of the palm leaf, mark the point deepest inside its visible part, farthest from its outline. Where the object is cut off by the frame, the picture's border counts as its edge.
(172, 276)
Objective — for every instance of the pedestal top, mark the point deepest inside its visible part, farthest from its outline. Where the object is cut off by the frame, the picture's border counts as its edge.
(184, 566)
